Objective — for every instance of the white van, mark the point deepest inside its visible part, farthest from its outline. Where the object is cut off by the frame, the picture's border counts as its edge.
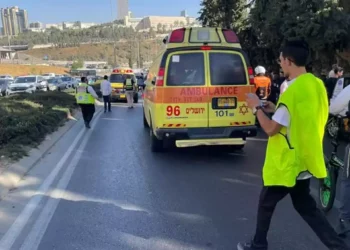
(47, 76)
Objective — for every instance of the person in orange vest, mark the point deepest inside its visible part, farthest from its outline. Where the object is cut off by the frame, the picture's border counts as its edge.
(262, 83)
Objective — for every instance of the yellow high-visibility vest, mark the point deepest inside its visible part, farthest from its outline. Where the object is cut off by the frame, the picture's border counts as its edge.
(302, 150)
(83, 96)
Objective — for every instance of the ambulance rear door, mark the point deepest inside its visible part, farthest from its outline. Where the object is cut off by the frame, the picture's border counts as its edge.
(185, 95)
(228, 85)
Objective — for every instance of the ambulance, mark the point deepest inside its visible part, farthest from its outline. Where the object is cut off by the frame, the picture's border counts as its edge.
(196, 90)
(117, 81)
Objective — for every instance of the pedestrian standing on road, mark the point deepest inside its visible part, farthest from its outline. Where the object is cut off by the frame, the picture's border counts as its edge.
(331, 82)
(262, 83)
(129, 86)
(85, 96)
(106, 90)
(295, 150)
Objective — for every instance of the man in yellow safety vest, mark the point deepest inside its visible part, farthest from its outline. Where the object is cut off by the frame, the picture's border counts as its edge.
(295, 150)
(130, 88)
(85, 96)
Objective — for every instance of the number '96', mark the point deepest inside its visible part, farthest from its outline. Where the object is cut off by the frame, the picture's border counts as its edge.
(170, 110)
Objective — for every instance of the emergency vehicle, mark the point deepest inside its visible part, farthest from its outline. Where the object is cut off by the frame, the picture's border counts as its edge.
(117, 82)
(196, 90)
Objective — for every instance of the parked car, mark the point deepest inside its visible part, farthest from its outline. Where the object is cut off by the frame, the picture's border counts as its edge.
(70, 81)
(56, 84)
(47, 76)
(9, 77)
(41, 83)
(22, 84)
(4, 83)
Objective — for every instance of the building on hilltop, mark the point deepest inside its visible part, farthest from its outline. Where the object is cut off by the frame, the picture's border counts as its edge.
(130, 21)
(36, 27)
(122, 9)
(14, 20)
(54, 25)
(70, 25)
(159, 23)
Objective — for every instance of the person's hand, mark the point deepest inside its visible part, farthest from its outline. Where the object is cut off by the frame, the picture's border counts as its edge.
(252, 100)
(269, 107)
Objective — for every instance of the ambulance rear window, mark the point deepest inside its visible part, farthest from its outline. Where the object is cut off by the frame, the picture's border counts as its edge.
(186, 70)
(118, 78)
(227, 69)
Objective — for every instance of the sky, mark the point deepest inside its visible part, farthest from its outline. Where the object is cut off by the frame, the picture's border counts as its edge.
(98, 11)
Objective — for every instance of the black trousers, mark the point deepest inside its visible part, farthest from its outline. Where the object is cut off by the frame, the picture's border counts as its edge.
(305, 205)
(107, 102)
(88, 111)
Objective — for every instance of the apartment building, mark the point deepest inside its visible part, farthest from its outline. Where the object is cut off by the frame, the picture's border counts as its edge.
(14, 20)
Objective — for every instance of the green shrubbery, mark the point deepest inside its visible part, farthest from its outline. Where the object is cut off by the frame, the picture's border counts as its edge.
(26, 119)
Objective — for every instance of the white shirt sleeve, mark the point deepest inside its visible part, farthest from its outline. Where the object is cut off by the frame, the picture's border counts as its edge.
(338, 88)
(110, 87)
(340, 104)
(282, 116)
(92, 92)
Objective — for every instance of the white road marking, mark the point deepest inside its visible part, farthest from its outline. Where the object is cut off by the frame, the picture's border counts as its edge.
(112, 119)
(33, 239)
(16, 228)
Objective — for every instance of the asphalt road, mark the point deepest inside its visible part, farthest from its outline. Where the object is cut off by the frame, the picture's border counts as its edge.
(113, 193)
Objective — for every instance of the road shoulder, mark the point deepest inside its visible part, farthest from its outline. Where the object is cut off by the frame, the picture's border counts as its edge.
(12, 173)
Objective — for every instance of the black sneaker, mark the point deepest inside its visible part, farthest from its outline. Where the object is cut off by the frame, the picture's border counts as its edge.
(250, 246)
(109, 110)
(105, 111)
(87, 125)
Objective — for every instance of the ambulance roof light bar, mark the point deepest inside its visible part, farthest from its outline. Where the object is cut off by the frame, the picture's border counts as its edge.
(230, 36)
(177, 36)
(122, 71)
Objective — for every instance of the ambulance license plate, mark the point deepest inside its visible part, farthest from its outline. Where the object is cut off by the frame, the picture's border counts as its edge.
(227, 102)
(122, 96)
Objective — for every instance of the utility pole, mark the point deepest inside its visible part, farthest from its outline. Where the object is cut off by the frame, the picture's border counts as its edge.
(138, 54)
(113, 36)
(114, 51)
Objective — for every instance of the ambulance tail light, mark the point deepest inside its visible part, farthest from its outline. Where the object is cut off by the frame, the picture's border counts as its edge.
(230, 36)
(251, 75)
(177, 36)
(160, 77)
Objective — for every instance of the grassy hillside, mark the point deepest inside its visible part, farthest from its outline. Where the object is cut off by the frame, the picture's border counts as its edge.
(17, 70)
(103, 52)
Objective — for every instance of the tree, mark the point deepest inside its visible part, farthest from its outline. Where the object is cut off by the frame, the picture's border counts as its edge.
(152, 33)
(130, 61)
(229, 14)
(77, 64)
(164, 28)
(325, 25)
(159, 27)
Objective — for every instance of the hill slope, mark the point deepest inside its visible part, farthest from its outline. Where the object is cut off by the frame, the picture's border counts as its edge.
(103, 52)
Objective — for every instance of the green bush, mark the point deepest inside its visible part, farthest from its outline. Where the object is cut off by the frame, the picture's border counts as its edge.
(27, 118)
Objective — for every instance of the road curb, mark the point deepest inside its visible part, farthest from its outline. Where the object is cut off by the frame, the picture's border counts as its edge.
(10, 177)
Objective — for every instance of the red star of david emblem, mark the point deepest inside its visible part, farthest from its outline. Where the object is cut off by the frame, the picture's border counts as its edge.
(243, 109)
